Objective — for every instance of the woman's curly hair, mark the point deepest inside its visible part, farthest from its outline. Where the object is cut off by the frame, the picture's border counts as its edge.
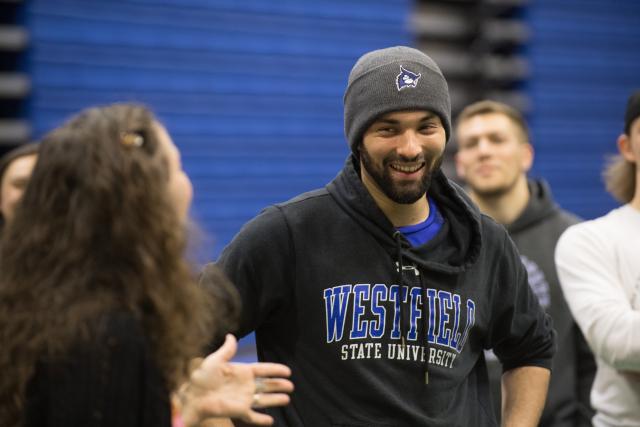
(95, 232)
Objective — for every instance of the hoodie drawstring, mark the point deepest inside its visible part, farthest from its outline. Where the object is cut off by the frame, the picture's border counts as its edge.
(425, 331)
(398, 238)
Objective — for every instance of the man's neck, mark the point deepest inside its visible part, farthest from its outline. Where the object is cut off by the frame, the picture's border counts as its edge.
(506, 207)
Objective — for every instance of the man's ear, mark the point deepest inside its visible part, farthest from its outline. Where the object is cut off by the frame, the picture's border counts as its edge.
(624, 147)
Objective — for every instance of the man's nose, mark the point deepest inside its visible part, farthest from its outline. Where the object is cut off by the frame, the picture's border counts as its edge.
(484, 147)
(409, 145)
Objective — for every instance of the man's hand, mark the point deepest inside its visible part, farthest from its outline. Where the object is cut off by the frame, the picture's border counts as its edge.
(220, 389)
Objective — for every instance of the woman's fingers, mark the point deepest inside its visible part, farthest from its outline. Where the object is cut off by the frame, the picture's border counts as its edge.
(265, 400)
(258, 418)
(268, 400)
(220, 388)
(273, 385)
(225, 352)
(216, 365)
(263, 369)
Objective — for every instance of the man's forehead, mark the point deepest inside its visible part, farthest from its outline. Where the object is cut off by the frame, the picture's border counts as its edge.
(495, 121)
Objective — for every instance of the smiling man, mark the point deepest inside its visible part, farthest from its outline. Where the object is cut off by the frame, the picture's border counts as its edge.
(382, 289)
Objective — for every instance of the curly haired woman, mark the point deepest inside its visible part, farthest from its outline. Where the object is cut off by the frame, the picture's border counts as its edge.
(100, 314)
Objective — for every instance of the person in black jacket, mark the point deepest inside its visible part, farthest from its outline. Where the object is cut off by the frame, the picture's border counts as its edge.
(100, 314)
(494, 156)
(382, 290)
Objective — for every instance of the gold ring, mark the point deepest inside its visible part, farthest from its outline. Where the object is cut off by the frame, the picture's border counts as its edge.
(259, 381)
(256, 397)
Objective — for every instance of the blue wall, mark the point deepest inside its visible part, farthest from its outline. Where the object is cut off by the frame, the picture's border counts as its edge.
(585, 60)
(251, 91)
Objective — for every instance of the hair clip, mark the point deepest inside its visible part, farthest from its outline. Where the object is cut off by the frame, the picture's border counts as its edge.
(132, 139)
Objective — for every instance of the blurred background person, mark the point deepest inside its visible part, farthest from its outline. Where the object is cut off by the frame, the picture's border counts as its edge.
(494, 156)
(600, 275)
(100, 315)
(15, 170)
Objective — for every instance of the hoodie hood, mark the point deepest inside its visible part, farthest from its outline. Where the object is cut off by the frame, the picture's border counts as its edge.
(540, 206)
(455, 248)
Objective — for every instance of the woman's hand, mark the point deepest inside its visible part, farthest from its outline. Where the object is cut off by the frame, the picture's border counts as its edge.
(218, 388)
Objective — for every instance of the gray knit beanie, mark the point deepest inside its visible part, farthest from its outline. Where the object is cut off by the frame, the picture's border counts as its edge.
(393, 79)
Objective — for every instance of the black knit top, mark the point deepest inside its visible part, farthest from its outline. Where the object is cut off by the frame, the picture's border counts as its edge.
(109, 379)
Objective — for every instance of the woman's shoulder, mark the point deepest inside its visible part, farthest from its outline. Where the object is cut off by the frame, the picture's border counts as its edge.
(116, 339)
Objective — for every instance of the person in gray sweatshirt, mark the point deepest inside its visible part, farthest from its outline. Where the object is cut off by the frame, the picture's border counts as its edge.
(493, 158)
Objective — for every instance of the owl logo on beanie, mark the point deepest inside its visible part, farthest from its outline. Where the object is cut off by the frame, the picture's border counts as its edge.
(407, 78)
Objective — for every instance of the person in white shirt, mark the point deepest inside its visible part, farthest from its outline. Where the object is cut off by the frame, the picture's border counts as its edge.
(598, 264)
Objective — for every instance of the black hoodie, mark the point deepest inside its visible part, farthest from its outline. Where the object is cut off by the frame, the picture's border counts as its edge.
(535, 233)
(319, 280)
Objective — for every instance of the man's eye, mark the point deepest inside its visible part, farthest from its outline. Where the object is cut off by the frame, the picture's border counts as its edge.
(467, 145)
(386, 130)
(429, 128)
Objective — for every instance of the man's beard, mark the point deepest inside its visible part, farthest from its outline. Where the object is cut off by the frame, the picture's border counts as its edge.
(411, 191)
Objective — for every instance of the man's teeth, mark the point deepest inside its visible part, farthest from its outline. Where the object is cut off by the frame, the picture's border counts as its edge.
(407, 168)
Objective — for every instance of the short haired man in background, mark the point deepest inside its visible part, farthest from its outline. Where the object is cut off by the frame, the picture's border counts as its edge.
(494, 156)
(599, 267)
